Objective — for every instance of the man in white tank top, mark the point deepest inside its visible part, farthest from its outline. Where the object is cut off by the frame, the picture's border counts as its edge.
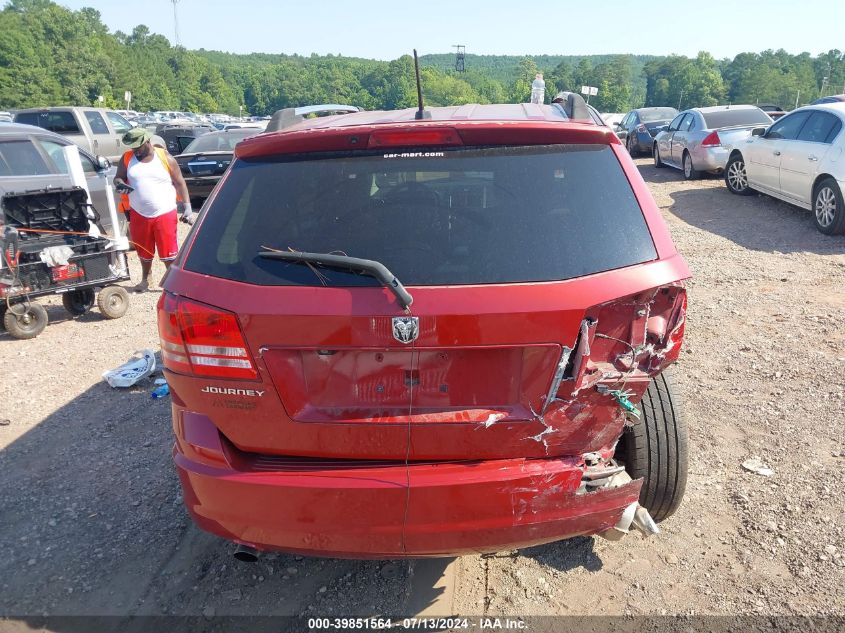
(154, 181)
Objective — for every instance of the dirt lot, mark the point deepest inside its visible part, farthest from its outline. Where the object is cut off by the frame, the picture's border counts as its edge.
(91, 519)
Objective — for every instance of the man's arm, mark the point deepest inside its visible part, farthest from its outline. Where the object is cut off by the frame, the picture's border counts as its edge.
(120, 174)
(184, 207)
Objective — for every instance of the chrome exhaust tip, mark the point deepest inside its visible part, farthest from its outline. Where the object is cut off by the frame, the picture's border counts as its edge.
(644, 522)
(634, 516)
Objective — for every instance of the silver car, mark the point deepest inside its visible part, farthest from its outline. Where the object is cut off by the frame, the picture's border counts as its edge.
(31, 158)
(695, 141)
(799, 160)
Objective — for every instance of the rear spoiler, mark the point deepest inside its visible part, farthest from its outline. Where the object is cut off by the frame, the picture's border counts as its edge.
(573, 105)
(291, 116)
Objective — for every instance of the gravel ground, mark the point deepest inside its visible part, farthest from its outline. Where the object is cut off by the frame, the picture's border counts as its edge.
(92, 520)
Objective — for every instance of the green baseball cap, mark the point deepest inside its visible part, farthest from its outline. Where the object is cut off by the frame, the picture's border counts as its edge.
(136, 137)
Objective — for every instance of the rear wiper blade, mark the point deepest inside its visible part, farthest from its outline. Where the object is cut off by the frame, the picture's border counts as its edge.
(371, 267)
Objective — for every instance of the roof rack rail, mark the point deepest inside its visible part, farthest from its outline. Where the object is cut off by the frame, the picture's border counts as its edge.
(291, 116)
(572, 104)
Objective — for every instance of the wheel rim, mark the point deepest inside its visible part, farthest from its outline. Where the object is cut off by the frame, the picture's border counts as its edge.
(115, 301)
(736, 176)
(825, 206)
(687, 166)
(28, 321)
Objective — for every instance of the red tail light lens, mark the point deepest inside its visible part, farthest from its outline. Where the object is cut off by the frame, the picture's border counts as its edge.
(711, 140)
(413, 138)
(201, 340)
(173, 354)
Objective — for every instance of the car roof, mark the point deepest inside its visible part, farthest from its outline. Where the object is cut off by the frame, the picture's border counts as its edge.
(448, 114)
(232, 131)
(654, 108)
(724, 108)
(834, 106)
(505, 124)
(23, 128)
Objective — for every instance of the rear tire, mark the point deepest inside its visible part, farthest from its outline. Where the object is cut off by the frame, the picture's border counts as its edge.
(655, 153)
(78, 302)
(736, 178)
(25, 321)
(690, 172)
(828, 208)
(656, 447)
(113, 302)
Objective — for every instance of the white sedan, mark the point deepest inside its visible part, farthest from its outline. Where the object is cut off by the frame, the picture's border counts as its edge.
(798, 159)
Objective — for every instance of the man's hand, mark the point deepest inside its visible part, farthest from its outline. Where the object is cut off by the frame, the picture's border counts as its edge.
(121, 186)
(186, 213)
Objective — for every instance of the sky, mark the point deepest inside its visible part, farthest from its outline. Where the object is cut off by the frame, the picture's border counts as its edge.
(387, 29)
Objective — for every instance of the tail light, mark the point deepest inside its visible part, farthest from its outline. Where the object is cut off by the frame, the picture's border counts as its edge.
(711, 140)
(201, 340)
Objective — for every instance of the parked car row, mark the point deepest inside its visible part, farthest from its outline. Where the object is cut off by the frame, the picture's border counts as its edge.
(795, 157)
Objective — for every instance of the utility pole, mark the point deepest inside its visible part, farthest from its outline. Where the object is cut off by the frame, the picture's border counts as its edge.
(176, 23)
(798, 94)
(680, 99)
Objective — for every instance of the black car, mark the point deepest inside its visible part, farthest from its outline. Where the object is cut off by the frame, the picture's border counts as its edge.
(206, 159)
(772, 109)
(638, 128)
(178, 136)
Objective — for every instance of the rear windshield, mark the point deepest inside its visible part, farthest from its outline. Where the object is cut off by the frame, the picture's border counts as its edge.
(59, 122)
(219, 142)
(459, 216)
(657, 114)
(727, 118)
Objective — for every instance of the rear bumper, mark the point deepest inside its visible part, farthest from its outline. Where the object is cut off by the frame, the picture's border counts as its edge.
(394, 510)
(710, 158)
(201, 186)
(645, 141)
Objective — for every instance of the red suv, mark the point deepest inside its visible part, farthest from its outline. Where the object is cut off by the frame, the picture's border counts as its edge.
(391, 335)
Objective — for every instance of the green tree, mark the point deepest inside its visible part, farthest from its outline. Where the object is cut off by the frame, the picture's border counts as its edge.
(520, 90)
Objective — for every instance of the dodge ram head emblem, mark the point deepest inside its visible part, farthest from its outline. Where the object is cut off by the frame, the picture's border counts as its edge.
(406, 329)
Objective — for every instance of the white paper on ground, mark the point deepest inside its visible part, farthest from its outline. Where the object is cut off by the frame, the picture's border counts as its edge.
(141, 365)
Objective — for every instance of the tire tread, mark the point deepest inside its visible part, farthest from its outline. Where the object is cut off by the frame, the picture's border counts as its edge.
(656, 448)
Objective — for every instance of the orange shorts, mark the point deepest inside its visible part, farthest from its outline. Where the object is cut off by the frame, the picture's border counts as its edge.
(154, 234)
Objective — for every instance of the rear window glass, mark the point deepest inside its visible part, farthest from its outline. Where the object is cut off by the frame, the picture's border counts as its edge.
(728, 118)
(459, 216)
(59, 122)
(218, 142)
(658, 114)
